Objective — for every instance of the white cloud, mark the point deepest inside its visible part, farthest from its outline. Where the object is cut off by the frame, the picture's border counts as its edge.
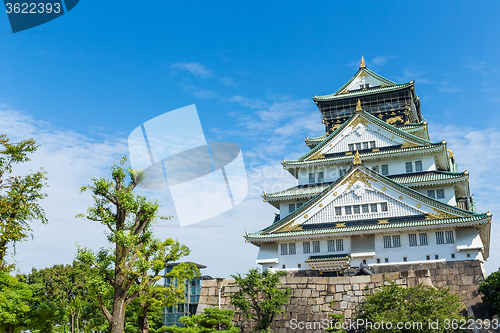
(382, 60)
(195, 68)
(476, 65)
(252, 103)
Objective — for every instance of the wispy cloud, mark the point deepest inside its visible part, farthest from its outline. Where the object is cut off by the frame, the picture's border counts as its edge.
(195, 68)
(382, 60)
(476, 65)
(228, 81)
(411, 73)
(447, 87)
(253, 103)
(200, 92)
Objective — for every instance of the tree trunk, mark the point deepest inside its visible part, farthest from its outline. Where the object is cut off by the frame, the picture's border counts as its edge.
(143, 321)
(72, 322)
(118, 320)
(10, 329)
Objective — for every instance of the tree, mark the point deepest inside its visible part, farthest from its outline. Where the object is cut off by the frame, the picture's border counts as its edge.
(19, 195)
(420, 305)
(490, 288)
(259, 296)
(135, 252)
(14, 303)
(211, 320)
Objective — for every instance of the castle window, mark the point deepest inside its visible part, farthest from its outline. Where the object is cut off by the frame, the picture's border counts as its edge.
(439, 237)
(351, 147)
(299, 205)
(453, 256)
(365, 209)
(378, 260)
(358, 146)
(385, 169)
(383, 207)
(405, 259)
(412, 239)
(291, 208)
(338, 210)
(431, 193)
(364, 261)
(283, 266)
(428, 257)
(436, 256)
(284, 249)
(299, 265)
(396, 241)
(418, 166)
(375, 168)
(312, 178)
(306, 246)
(321, 177)
(386, 260)
(468, 255)
(335, 245)
(449, 237)
(409, 167)
(316, 247)
(340, 244)
(331, 245)
(356, 209)
(372, 144)
(291, 248)
(440, 193)
(373, 207)
(348, 210)
(387, 242)
(365, 145)
(444, 237)
(423, 238)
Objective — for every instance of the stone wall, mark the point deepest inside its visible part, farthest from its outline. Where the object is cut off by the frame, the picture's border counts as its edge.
(311, 295)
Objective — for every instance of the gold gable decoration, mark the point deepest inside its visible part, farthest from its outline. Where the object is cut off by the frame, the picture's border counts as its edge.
(362, 63)
(288, 227)
(357, 159)
(316, 156)
(358, 175)
(359, 120)
(408, 144)
(439, 215)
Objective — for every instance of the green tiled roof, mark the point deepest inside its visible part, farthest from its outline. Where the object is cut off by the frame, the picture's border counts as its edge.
(316, 139)
(298, 191)
(363, 92)
(328, 257)
(375, 120)
(260, 235)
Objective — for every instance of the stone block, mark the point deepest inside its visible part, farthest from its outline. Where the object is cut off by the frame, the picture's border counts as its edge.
(311, 301)
(391, 276)
(347, 287)
(338, 296)
(355, 287)
(343, 305)
(314, 293)
(400, 281)
(358, 293)
(346, 298)
(315, 308)
(362, 279)
(328, 299)
(211, 292)
(339, 280)
(321, 287)
(339, 288)
(306, 293)
(467, 280)
(348, 314)
(376, 278)
(350, 293)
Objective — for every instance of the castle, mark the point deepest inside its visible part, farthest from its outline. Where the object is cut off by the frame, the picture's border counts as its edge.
(374, 190)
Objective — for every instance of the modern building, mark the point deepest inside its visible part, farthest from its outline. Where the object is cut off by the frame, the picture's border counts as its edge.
(172, 314)
(373, 190)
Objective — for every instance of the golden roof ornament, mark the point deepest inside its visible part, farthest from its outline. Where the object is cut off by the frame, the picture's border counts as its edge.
(362, 65)
(357, 159)
(358, 106)
(450, 153)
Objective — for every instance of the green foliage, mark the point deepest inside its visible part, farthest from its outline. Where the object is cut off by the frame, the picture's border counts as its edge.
(14, 303)
(421, 304)
(209, 321)
(259, 296)
(19, 195)
(490, 288)
(133, 266)
(336, 322)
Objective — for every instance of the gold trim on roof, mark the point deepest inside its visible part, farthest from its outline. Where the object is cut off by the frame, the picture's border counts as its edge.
(409, 144)
(384, 221)
(288, 227)
(359, 120)
(357, 159)
(362, 63)
(439, 215)
(358, 175)
(316, 156)
(358, 105)
(340, 225)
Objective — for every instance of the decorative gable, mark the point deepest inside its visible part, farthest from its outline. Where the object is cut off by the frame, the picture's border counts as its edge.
(365, 80)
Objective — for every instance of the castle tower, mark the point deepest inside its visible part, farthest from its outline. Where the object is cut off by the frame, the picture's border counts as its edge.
(373, 190)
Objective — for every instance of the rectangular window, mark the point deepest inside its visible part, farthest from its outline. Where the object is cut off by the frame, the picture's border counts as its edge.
(348, 210)
(364, 209)
(428, 257)
(468, 255)
(396, 241)
(299, 205)
(284, 249)
(291, 248)
(439, 237)
(449, 237)
(375, 168)
(356, 209)
(453, 256)
(412, 239)
(385, 169)
(387, 241)
(365, 145)
(372, 144)
(299, 265)
(338, 210)
(409, 167)
(306, 246)
(386, 260)
(358, 146)
(383, 207)
(316, 248)
(418, 166)
(291, 208)
(331, 245)
(440, 193)
(423, 238)
(283, 266)
(378, 260)
(405, 259)
(343, 172)
(436, 256)
(321, 177)
(373, 207)
(351, 146)
(312, 178)
(340, 244)
(431, 193)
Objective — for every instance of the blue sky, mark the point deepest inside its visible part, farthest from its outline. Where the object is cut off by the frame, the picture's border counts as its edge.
(81, 83)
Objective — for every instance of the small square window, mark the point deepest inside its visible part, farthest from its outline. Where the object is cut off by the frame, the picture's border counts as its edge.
(283, 266)
(453, 256)
(338, 210)
(358, 146)
(385, 169)
(372, 144)
(364, 209)
(428, 257)
(383, 207)
(378, 260)
(321, 177)
(351, 146)
(299, 205)
(299, 265)
(440, 193)
(364, 261)
(468, 255)
(365, 145)
(375, 168)
(409, 167)
(405, 259)
(348, 210)
(373, 207)
(291, 208)
(436, 256)
(356, 209)
(418, 166)
(312, 178)
(386, 260)
(431, 193)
